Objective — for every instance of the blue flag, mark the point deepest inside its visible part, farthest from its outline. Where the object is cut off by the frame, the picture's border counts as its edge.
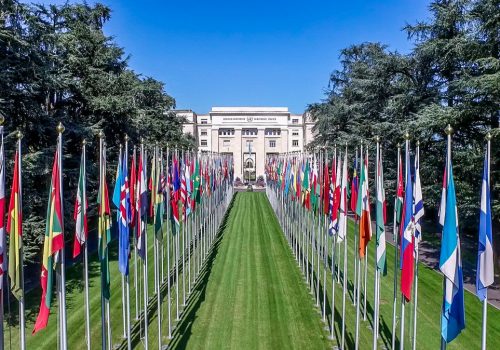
(484, 274)
(450, 264)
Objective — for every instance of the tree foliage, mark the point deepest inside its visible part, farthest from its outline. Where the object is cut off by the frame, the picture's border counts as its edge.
(57, 65)
(452, 75)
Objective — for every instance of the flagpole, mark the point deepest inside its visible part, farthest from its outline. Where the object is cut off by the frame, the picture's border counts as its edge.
(85, 249)
(485, 301)
(122, 277)
(145, 261)
(415, 303)
(377, 271)
(3, 253)
(134, 234)
(401, 340)
(358, 260)
(396, 251)
(344, 272)
(366, 250)
(108, 313)
(103, 312)
(127, 277)
(62, 280)
(169, 305)
(355, 284)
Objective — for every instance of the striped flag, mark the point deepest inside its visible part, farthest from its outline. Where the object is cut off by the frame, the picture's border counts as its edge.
(381, 216)
(141, 208)
(15, 230)
(450, 264)
(52, 245)
(354, 185)
(80, 214)
(407, 233)
(326, 188)
(484, 274)
(3, 257)
(363, 209)
(104, 227)
(398, 208)
(418, 203)
(123, 223)
(442, 206)
(158, 198)
(332, 194)
(133, 190)
(342, 227)
(336, 195)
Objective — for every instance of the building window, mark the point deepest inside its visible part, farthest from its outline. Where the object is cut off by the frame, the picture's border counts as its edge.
(226, 132)
(295, 143)
(249, 132)
(272, 143)
(203, 133)
(295, 121)
(203, 143)
(295, 133)
(226, 143)
(204, 121)
(273, 132)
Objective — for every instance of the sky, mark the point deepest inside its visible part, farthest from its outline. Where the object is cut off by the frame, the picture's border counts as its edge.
(253, 53)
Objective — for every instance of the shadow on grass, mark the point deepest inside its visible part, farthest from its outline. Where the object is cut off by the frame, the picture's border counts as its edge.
(182, 331)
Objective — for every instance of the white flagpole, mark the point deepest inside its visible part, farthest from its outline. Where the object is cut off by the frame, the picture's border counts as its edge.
(62, 279)
(415, 303)
(344, 272)
(85, 249)
(377, 272)
(145, 262)
(127, 278)
(358, 260)
(396, 250)
(134, 230)
(485, 301)
(402, 339)
(122, 277)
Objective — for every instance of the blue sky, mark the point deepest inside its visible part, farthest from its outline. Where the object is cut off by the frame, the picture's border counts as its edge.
(255, 53)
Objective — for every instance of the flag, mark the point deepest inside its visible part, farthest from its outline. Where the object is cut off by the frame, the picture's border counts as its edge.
(3, 256)
(104, 227)
(306, 190)
(381, 216)
(450, 264)
(158, 197)
(363, 209)
(331, 195)
(484, 274)
(407, 234)
(326, 189)
(124, 219)
(336, 195)
(398, 208)
(314, 189)
(132, 191)
(196, 183)
(80, 214)
(52, 245)
(141, 208)
(15, 230)
(354, 186)
(342, 227)
(418, 203)
(442, 206)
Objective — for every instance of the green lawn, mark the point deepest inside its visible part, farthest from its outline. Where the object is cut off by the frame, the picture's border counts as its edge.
(250, 295)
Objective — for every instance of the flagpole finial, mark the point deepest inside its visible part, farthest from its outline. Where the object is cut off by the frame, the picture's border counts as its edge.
(101, 134)
(60, 128)
(448, 130)
(377, 138)
(407, 135)
(399, 145)
(2, 119)
(84, 142)
(19, 134)
(488, 136)
(126, 137)
(418, 143)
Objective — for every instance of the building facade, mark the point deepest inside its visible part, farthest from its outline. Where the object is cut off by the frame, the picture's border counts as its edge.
(249, 134)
